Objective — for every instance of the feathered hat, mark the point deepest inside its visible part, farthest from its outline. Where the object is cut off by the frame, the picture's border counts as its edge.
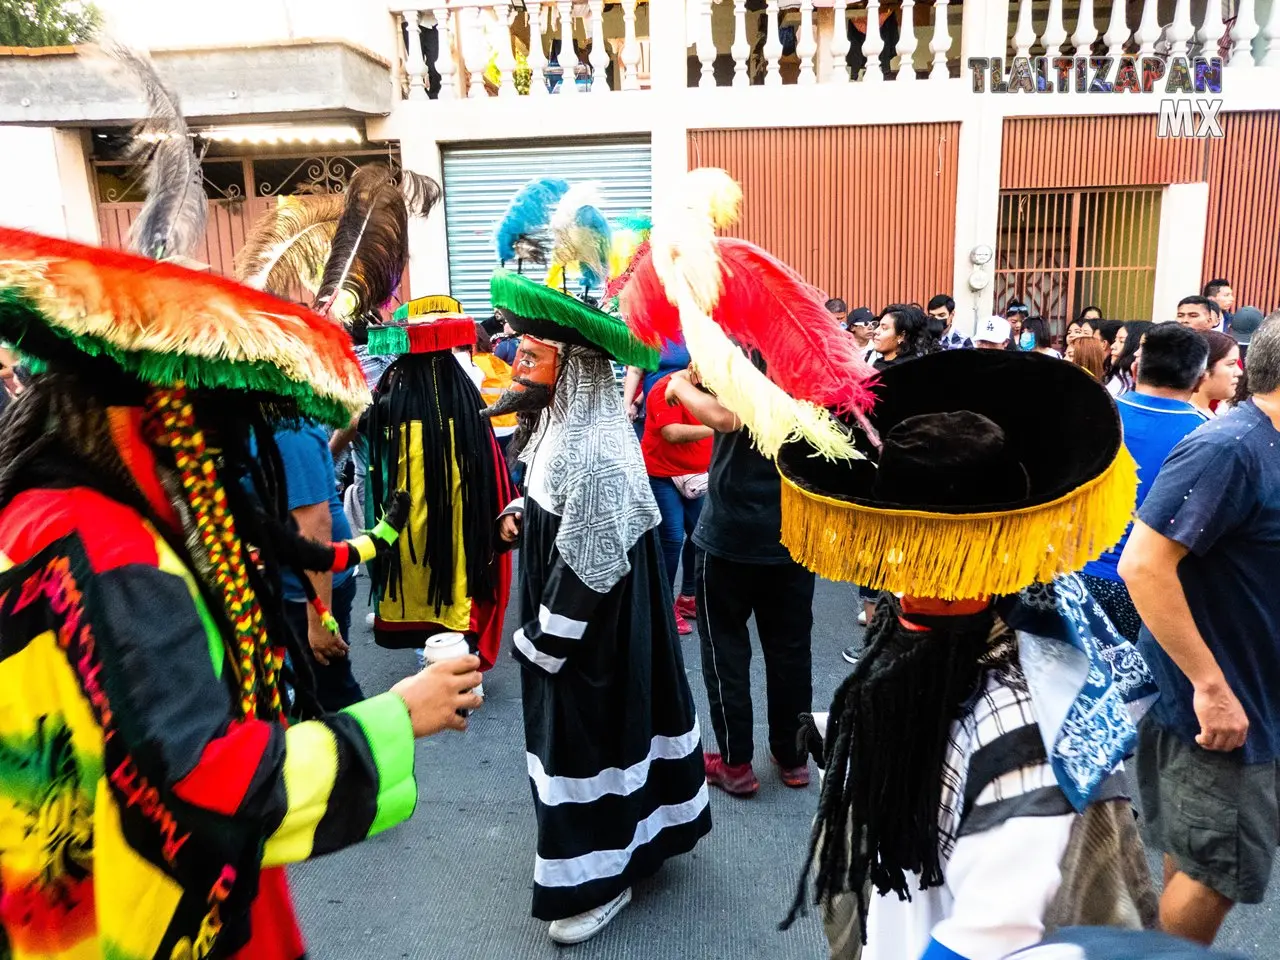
(727, 298)
(424, 325)
(969, 495)
(169, 326)
(544, 312)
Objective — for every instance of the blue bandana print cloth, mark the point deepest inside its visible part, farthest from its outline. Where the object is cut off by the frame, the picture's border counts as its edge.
(1089, 684)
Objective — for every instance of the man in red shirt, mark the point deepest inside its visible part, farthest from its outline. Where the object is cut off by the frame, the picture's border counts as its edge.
(677, 455)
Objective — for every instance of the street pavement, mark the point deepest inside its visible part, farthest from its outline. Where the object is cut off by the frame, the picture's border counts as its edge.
(455, 881)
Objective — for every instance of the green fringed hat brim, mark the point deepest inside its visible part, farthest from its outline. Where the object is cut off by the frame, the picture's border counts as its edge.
(66, 303)
(42, 345)
(540, 311)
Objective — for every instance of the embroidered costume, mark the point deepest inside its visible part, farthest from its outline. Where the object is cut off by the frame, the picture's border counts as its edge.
(971, 757)
(427, 437)
(614, 751)
(151, 787)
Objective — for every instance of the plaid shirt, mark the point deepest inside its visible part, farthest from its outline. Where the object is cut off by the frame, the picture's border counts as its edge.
(955, 340)
(996, 767)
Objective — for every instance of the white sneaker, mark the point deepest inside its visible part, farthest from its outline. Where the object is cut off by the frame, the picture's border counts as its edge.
(586, 925)
(369, 618)
(862, 619)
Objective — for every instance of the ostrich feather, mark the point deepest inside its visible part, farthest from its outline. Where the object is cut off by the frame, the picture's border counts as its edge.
(421, 193)
(765, 305)
(711, 194)
(172, 221)
(643, 299)
(581, 235)
(370, 246)
(760, 302)
(522, 234)
(287, 247)
(772, 416)
(630, 235)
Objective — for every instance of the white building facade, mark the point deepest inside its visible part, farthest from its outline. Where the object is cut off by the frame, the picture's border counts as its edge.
(869, 158)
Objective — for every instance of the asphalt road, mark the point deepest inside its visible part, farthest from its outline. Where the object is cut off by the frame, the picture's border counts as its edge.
(455, 881)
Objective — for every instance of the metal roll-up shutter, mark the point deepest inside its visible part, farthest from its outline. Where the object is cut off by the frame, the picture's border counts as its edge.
(480, 181)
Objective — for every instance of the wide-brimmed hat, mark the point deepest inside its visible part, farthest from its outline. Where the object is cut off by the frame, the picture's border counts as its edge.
(997, 470)
(548, 314)
(169, 326)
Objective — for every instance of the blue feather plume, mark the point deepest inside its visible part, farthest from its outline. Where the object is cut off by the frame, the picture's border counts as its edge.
(521, 234)
(581, 235)
(595, 267)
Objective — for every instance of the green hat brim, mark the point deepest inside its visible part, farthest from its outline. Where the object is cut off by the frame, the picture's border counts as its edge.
(543, 312)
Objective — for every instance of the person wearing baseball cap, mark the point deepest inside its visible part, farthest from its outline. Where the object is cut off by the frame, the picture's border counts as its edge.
(862, 323)
(992, 333)
(1243, 324)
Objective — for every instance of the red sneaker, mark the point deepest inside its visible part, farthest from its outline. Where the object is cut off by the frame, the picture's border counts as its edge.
(796, 777)
(687, 607)
(682, 625)
(740, 780)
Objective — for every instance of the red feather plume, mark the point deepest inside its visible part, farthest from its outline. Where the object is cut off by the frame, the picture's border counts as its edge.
(651, 316)
(765, 305)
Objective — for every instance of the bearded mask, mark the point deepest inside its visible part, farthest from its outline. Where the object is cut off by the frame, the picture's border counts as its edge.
(533, 379)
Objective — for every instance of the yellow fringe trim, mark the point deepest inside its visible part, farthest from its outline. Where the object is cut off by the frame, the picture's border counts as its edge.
(959, 557)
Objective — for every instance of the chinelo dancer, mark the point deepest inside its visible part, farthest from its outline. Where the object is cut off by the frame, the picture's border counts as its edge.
(614, 750)
(972, 801)
(144, 686)
(450, 571)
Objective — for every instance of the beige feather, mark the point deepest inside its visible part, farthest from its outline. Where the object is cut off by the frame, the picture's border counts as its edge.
(286, 251)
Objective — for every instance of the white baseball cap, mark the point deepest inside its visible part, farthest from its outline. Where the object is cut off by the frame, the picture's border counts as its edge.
(993, 330)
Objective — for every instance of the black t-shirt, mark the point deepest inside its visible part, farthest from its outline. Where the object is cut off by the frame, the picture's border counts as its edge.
(742, 515)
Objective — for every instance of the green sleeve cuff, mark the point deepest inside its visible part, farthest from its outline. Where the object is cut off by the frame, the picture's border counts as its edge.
(385, 722)
(385, 532)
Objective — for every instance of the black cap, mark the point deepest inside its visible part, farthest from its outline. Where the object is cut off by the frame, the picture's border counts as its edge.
(860, 315)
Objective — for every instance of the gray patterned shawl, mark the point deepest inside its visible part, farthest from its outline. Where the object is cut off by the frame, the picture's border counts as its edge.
(595, 474)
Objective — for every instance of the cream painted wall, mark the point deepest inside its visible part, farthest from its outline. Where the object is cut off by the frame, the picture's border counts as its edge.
(47, 183)
(1184, 221)
(152, 24)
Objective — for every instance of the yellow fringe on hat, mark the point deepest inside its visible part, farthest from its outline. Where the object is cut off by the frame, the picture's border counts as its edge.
(771, 415)
(959, 556)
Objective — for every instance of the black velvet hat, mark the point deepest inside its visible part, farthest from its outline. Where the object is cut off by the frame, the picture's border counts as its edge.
(997, 469)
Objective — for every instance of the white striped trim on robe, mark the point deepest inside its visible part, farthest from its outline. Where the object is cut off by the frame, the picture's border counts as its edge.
(618, 781)
(600, 864)
(536, 656)
(556, 625)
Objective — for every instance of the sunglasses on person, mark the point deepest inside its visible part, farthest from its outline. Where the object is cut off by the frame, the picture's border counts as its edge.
(869, 324)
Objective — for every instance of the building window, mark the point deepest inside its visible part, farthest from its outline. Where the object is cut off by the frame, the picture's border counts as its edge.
(1062, 250)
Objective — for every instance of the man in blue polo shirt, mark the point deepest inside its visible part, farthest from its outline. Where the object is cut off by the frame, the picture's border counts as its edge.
(317, 509)
(1201, 564)
(1156, 414)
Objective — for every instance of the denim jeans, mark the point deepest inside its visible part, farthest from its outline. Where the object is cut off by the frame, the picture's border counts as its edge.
(336, 686)
(679, 519)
